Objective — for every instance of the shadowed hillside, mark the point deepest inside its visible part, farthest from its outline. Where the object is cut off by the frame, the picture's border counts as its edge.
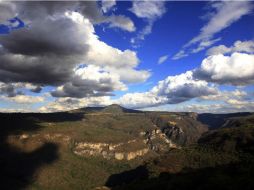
(214, 121)
(18, 166)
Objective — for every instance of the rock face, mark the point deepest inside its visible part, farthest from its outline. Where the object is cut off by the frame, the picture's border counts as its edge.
(54, 137)
(133, 155)
(158, 141)
(154, 140)
(182, 129)
(108, 151)
(24, 136)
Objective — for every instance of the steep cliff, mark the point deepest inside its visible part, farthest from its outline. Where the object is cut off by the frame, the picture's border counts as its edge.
(180, 128)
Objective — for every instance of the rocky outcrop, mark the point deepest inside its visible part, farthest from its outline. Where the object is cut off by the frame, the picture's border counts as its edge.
(108, 150)
(138, 153)
(158, 141)
(54, 137)
(102, 188)
(182, 129)
(154, 140)
(23, 136)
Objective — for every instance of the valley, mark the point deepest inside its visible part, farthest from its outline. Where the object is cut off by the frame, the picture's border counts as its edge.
(91, 148)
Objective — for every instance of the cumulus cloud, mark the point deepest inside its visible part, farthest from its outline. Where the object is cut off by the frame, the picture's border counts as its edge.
(55, 41)
(8, 89)
(223, 15)
(43, 51)
(90, 81)
(172, 90)
(13, 89)
(183, 87)
(226, 95)
(32, 40)
(223, 102)
(230, 107)
(39, 9)
(141, 100)
(24, 99)
(64, 104)
(236, 69)
(239, 46)
(150, 11)
(162, 59)
(59, 47)
(10, 110)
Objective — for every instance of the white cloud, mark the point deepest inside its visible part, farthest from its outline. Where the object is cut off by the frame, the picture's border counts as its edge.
(122, 22)
(53, 60)
(225, 14)
(180, 55)
(230, 107)
(204, 44)
(90, 81)
(162, 59)
(226, 95)
(65, 104)
(107, 5)
(7, 11)
(172, 90)
(142, 34)
(10, 110)
(236, 69)
(239, 46)
(88, 9)
(130, 75)
(150, 11)
(24, 99)
(141, 100)
(183, 87)
(95, 73)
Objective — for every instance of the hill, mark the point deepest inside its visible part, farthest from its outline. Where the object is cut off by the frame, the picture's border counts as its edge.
(92, 147)
(215, 121)
(223, 159)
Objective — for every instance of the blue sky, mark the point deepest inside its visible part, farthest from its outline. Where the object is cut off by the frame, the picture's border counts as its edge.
(208, 48)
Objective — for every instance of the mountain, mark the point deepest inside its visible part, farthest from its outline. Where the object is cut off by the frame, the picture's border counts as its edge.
(214, 121)
(230, 139)
(117, 109)
(115, 146)
(181, 128)
(223, 158)
(113, 109)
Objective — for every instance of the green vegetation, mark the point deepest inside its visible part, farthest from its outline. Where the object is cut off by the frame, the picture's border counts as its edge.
(37, 150)
(211, 164)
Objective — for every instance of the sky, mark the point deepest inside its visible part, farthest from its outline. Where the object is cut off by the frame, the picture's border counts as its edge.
(193, 56)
